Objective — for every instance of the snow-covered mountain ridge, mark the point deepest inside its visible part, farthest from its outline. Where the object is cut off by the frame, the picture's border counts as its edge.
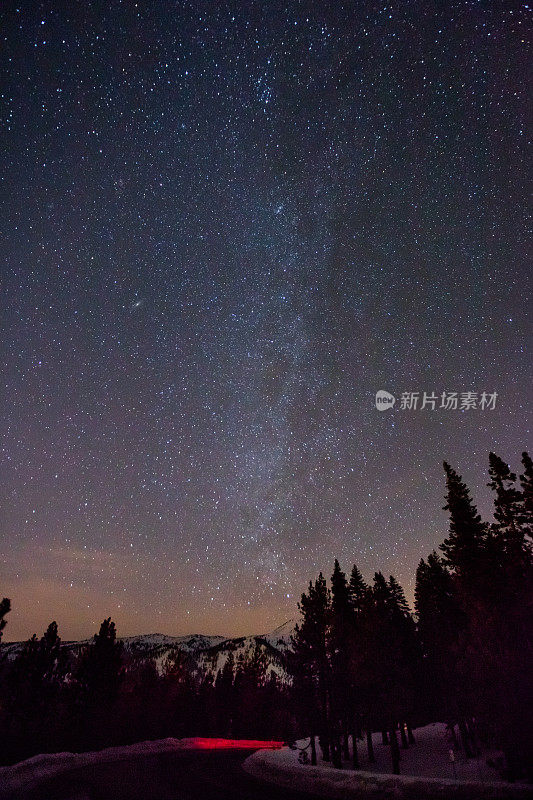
(208, 653)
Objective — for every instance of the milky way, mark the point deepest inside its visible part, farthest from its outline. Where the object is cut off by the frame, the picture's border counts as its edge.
(226, 226)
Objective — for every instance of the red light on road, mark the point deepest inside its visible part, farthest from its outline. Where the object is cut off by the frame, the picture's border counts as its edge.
(234, 744)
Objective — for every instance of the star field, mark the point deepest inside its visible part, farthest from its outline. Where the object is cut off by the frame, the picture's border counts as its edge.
(225, 228)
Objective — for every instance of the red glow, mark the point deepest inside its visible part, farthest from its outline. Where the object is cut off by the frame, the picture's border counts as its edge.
(236, 744)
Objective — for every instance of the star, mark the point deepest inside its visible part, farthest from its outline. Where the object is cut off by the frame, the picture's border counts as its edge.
(311, 206)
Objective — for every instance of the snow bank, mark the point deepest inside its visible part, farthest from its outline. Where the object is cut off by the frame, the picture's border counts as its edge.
(30, 773)
(428, 773)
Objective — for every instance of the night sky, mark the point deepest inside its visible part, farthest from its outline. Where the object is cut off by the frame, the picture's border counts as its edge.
(225, 227)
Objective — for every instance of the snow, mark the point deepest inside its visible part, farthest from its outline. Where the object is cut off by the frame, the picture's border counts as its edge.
(145, 642)
(28, 774)
(32, 772)
(427, 772)
(208, 653)
(190, 644)
(214, 659)
(280, 637)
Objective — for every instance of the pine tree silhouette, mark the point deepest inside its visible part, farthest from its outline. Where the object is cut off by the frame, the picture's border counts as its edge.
(442, 628)
(99, 676)
(398, 597)
(341, 631)
(225, 697)
(5, 607)
(100, 671)
(358, 589)
(310, 662)
(464, 549)
(510, 528)
(526, 482)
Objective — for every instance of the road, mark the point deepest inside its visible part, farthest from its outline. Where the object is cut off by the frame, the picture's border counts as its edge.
(183, 775)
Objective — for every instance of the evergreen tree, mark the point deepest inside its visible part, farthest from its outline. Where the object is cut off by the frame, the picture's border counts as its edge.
(250, 680)
(255, 666)
(26, 668)
(526, 482)
(99, 676)
(21, 701)
(224, 697)
(100, 671)
(510, 528)
(379, 664)
(310, 663)
(409, 658)
(398, 597)
(491, 572)
(176, 667)
(340, 634)
(391, 675)
(34, 682)
(359, 594)
(464, 549)
(50, 654)
(358, 590)
(442, 627)
(382, 595)
(5, 607)
(340, 595)
(505, 683)
(179, 692)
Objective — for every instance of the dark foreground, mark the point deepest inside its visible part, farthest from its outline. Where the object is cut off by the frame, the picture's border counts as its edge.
(184, 775)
